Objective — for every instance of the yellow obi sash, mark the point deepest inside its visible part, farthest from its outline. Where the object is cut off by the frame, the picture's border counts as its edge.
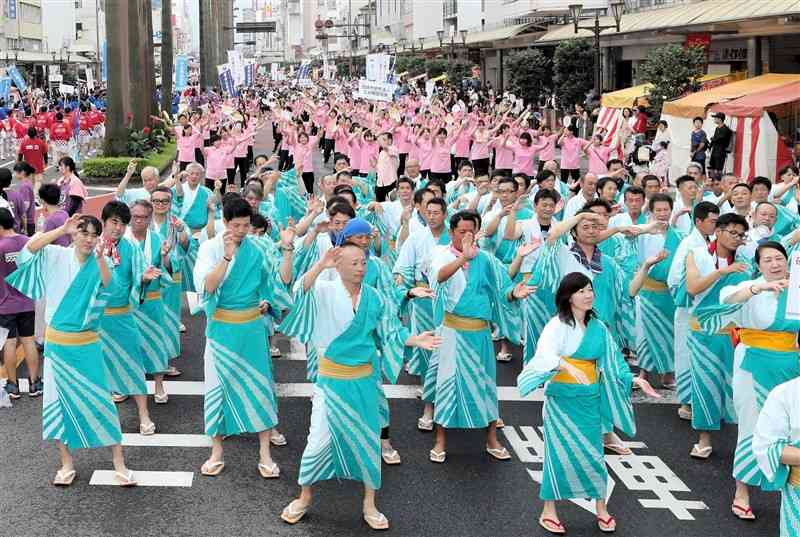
(768, 340)
(654, 285)
(588, 367)
(393, 244)
(236, 316)
(457, 322)
(794, 476)
(177, 277)
(153, 295)
(121, 310)
(70, 338)
(421, 284)
(694, 325)
(329, 368)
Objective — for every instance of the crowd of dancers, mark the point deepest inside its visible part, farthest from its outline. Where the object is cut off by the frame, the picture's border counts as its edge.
(449, 227)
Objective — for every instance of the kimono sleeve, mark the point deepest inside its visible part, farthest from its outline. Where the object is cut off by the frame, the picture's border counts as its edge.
(392, 336)
(300, 320)
(615, 386)
(772, 434)
(29, 278)
(138, 266)
(207, 258)
(546, 272)
(544, 364)
(506, 314)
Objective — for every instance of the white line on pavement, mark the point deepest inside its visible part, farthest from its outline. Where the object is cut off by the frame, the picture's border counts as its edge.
(166, 440)
(145, 478)
(393, 391)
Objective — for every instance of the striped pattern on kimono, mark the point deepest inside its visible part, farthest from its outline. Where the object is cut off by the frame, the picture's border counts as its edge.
(299, 323)
(536, 315)
(150, 320)
(82, 415)
(341, 444)
(122, 353)
(711, 360)
(656, 347)
(244, 399)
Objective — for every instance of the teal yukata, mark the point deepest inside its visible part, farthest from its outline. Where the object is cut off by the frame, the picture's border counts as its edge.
(182, 260)
(413, 266)
(77, 409)
(466, 369)
(573, 413)
(192, 209)
(239, 392)
(711, 352)
(655, 348)
(150, 315)
(766, 356)
(778, 426)
(344, 438)
(120, 338)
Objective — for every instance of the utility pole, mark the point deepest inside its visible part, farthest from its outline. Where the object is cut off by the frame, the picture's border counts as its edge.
(167, 62)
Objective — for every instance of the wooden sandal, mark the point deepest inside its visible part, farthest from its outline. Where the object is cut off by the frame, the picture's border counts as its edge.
(377, 521)
(552, 525)
(64, 479)
(291, 515)
(608, 525)
(212, 468)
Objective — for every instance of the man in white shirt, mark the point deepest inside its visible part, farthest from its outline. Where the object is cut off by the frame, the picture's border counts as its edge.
(587, 193)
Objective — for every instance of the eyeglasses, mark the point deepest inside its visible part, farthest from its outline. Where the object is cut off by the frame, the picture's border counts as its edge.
(736, 234)
(160, 202)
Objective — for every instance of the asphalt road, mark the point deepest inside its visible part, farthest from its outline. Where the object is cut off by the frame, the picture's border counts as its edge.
(658, 492)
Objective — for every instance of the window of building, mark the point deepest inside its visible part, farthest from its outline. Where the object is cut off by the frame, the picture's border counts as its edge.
(78, 4)
(78, 30)
(12, 44)
(32, 14)
(33, 45)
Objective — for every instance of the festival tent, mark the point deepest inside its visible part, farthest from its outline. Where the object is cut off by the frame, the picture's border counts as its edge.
(614, 102)
(680, 113)
(759, 149)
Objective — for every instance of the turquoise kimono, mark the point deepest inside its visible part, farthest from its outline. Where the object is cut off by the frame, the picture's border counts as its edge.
(344, 438)
(77, 409)
(197, 215)
(656, 348)
(239, 385)
(419, 312)
(711, 361)
(120, 339)
(464, 365)
(574, 465)
(150, 315)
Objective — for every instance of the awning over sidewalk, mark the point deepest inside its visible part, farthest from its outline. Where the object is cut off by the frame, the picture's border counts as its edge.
(754, 105)
(636, 95)
(695, 105)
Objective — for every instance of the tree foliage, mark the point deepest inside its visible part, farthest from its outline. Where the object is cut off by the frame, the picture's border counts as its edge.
(414, 65)
(673, 70)
(573, 71)
(530, 74)
(435, 67)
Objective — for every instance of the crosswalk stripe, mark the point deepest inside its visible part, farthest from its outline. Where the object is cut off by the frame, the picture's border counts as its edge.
(393, 391)
(145, 478)
(166, 440)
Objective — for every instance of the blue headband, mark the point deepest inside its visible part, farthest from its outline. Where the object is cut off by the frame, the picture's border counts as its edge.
(356, 226)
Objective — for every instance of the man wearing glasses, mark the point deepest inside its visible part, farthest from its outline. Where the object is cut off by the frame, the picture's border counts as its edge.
(709, 268)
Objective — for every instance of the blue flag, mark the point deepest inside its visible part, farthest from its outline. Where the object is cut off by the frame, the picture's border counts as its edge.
(17, 77)
(181, 72)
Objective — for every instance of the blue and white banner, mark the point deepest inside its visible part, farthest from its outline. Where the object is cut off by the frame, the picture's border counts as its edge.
(16, 76)
(5, 88)
(304, 74)
(249, 74)
(226, 81)
(181, 72)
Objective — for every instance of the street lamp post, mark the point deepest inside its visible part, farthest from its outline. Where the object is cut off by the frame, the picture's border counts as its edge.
(617, 9)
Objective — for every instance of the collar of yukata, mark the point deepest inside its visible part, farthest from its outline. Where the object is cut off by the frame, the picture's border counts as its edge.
(595, 264)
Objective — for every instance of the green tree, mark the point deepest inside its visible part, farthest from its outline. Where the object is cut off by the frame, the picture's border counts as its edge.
(673, 70)
(573, 71)
(457, 72)
(435, 67)
(531, 73)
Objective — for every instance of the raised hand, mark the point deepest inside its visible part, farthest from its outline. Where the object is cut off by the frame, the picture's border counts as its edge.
(166, 246)
(426, 340)
(522, 290)
(229, 244)
(655, 259)
(529, 247)
(151, 273)
(469, 247)
(287, 235)
(331, 258)
(421, 292)
(70, 226)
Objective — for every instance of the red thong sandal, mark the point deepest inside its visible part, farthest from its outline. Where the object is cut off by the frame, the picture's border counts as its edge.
(609, 525)
(742, 513)
(551, 525)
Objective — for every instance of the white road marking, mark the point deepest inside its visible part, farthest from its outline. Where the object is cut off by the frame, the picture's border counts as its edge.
(166, 440)
(145, 478)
